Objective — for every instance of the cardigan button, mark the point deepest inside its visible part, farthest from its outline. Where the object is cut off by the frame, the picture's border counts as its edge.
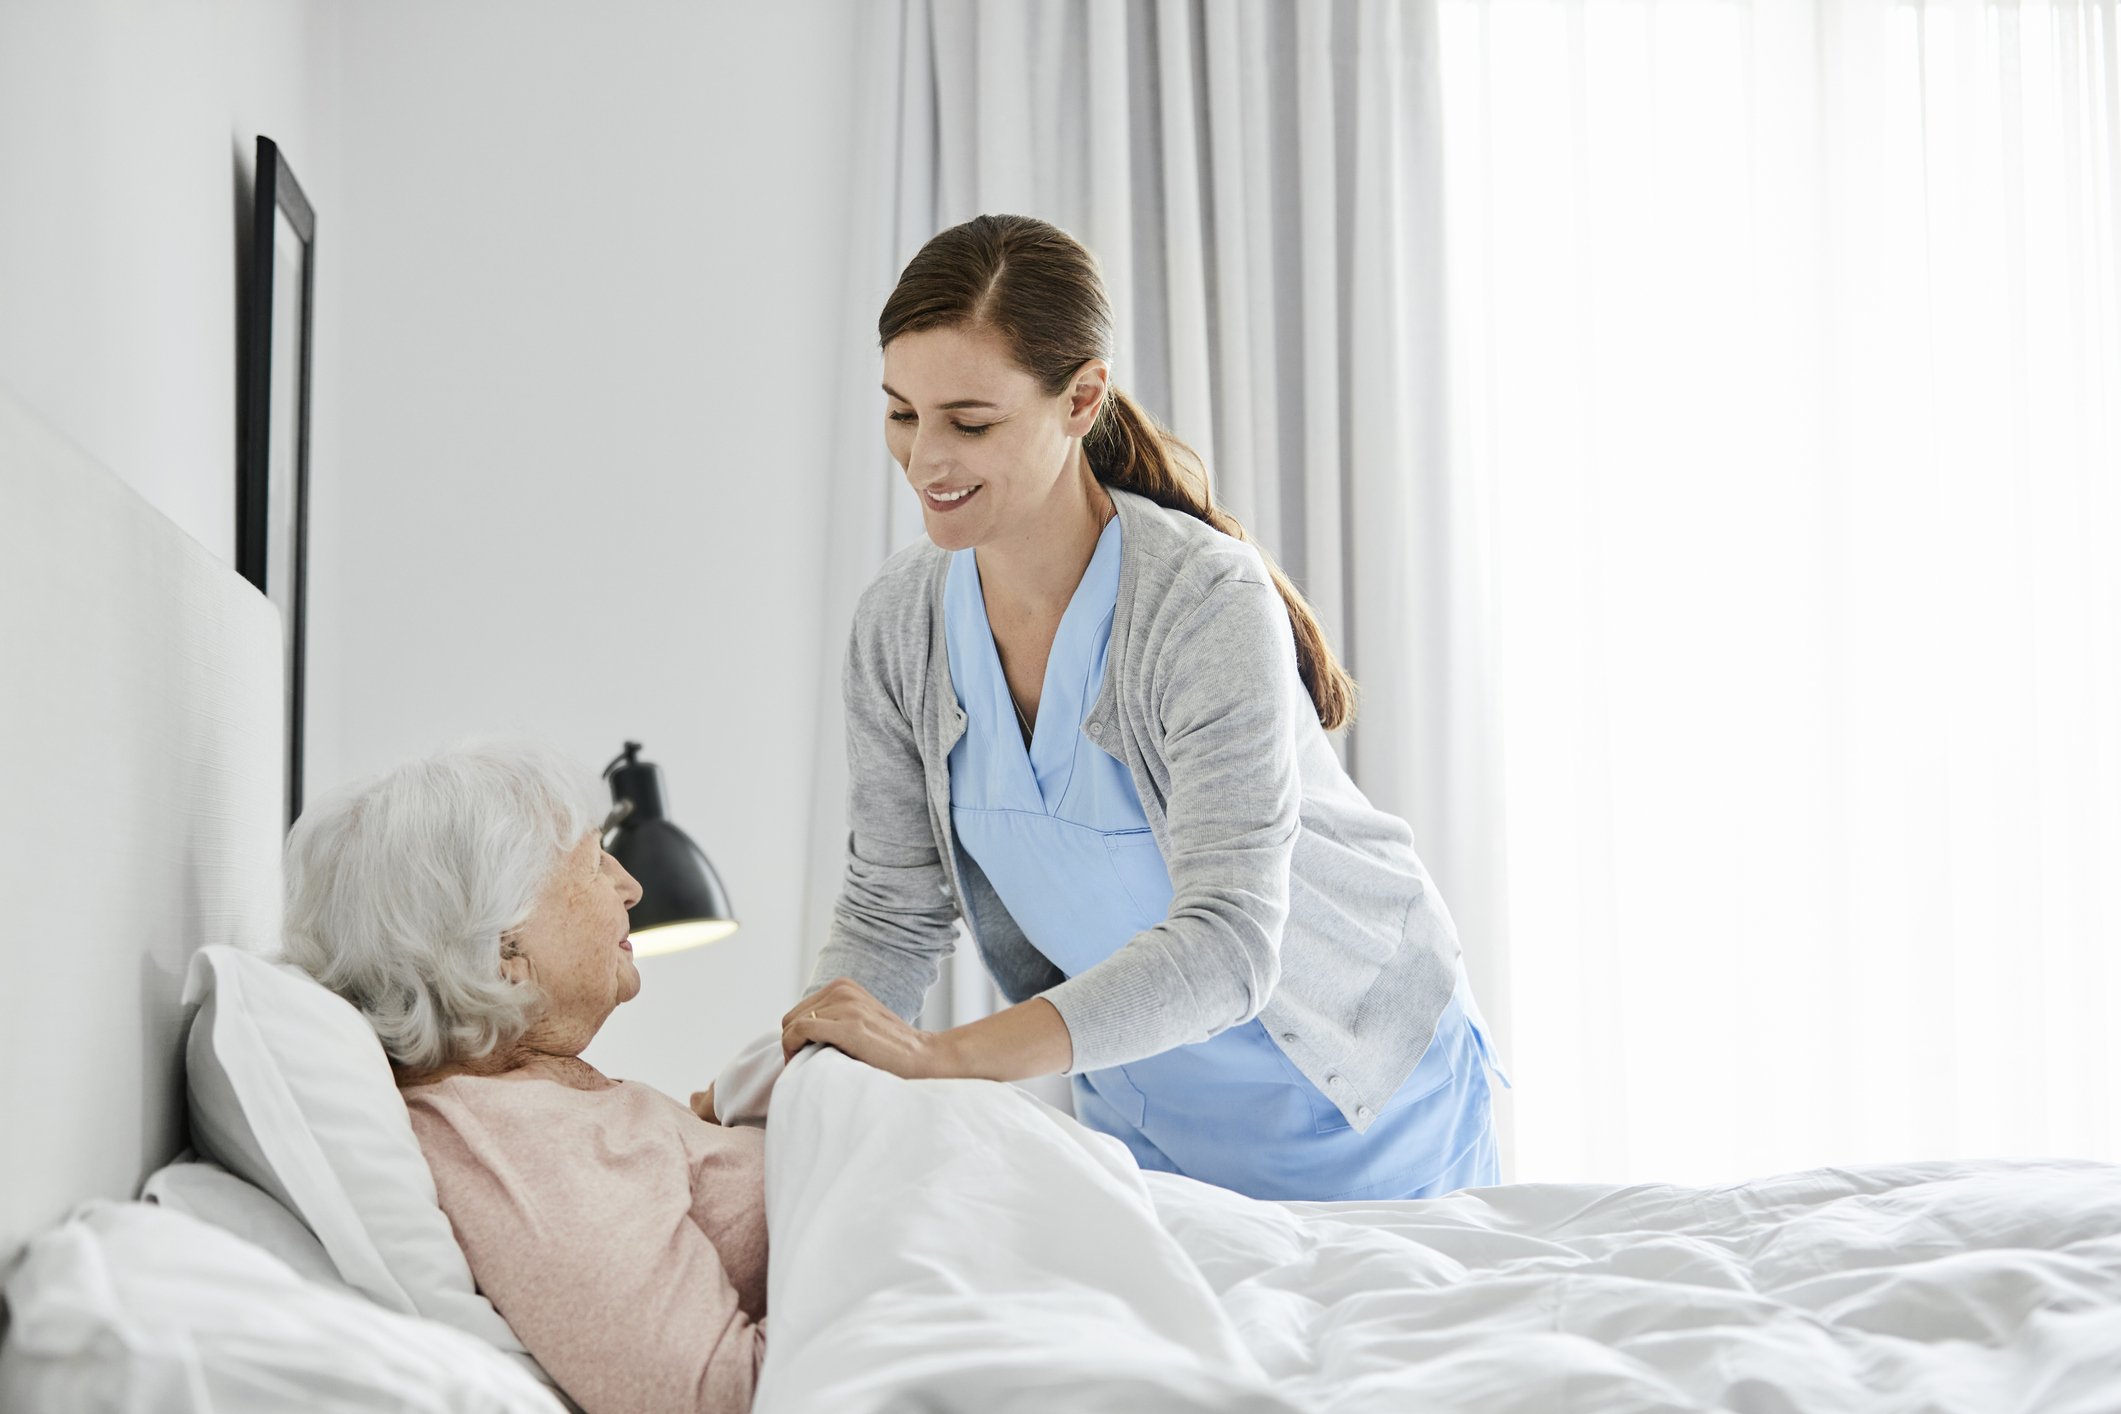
(1333, 1082)
(1097, 729)
(1362, 1111)
(1288, 1038)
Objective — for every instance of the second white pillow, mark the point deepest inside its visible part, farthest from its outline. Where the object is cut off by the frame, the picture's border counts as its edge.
(290, 1089)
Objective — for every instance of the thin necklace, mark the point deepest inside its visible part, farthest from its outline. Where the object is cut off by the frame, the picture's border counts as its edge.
(1021, 720)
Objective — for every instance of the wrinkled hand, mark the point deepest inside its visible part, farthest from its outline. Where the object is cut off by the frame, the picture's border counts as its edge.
(846, 1017)
(703, 1104)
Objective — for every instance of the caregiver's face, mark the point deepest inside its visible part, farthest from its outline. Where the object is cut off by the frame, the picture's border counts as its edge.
(983, 448)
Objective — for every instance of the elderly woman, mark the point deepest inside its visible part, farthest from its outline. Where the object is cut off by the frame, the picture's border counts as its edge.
(464, 903)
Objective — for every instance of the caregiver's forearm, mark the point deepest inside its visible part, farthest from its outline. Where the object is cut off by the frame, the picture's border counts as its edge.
(1027, 1040)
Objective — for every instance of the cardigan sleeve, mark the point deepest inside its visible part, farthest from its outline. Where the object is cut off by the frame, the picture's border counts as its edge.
(1227, 696)
(894, 921)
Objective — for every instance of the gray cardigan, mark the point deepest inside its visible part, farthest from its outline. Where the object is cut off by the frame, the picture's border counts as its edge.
(1294, 899)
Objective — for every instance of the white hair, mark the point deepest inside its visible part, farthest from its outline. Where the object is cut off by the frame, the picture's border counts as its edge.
(399, 888)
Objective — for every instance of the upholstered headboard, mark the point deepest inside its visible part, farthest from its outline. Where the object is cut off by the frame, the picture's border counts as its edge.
(140, 816)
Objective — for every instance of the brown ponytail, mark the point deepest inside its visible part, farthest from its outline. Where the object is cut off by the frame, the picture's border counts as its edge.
(1037, 287)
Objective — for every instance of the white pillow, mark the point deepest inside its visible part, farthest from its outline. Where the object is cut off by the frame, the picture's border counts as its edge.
(138, 1308)
(204, 1190)
(291, 1090)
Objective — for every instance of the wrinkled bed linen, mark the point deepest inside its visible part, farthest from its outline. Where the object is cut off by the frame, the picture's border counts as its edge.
(959, 1245)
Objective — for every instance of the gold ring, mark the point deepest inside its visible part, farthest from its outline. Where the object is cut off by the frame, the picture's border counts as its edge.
(811, 1017)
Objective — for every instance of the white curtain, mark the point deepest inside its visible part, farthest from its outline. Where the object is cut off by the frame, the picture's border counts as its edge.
(1261, 185)
(1788, 339)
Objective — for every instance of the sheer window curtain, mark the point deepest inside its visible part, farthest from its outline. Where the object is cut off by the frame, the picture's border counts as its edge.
(1261, 183)
(1787, 337)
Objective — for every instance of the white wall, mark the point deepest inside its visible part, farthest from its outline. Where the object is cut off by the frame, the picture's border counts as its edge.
(591, 259)
(127, 129)
(577, 272)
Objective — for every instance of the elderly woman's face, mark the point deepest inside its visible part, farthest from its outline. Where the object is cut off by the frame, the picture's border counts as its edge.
(574, 943)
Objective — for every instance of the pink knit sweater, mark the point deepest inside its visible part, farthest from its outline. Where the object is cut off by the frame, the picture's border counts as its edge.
(620, 1235)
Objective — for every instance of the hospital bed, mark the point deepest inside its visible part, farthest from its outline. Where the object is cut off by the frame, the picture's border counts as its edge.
(944, 1245)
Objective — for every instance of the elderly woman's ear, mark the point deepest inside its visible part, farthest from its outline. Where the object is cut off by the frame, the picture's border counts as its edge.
(515, 963)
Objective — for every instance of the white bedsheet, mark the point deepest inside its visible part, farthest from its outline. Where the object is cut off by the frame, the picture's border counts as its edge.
(957, 1245)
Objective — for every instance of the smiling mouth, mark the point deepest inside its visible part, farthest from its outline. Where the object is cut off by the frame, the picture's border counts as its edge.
(950, 498)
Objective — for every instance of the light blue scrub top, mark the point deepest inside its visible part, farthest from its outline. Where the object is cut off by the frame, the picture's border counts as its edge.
(1059, 832)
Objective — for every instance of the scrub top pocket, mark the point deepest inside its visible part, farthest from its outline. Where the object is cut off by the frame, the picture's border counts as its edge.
(1138, 865)
(1114, 1088)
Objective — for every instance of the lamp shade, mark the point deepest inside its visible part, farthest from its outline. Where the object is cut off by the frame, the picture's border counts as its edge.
(683, 904)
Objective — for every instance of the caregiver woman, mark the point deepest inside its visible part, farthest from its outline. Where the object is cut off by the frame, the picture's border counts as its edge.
(1091, 719)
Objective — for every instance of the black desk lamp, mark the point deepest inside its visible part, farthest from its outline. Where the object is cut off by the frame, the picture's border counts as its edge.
(683, 904)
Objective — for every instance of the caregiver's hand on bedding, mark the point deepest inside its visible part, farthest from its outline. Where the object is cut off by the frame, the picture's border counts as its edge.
(703, 1103)
(844, 1015)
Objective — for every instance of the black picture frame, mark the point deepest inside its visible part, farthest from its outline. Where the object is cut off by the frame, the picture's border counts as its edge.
(272, 488)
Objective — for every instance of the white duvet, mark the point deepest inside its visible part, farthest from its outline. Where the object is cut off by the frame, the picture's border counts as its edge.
(957, 1245)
